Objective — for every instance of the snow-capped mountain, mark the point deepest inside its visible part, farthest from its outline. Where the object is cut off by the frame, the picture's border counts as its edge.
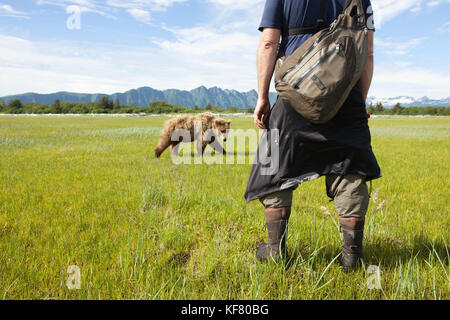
(406, 101)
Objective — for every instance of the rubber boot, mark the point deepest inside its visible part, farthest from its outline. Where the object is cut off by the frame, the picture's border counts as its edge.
(276, 222)
(352, 243)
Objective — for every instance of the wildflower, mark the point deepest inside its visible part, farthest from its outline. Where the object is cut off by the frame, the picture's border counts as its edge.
(375, 195)
(380, 206)
(325, 211)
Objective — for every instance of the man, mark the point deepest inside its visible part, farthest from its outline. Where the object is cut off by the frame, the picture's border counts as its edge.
(340, 149)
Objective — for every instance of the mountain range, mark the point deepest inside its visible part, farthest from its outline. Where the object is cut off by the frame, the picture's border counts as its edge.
(200, 96)
(406, 101)
(141, 97)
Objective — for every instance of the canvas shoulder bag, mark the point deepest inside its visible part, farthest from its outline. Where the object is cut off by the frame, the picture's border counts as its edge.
(318, 77)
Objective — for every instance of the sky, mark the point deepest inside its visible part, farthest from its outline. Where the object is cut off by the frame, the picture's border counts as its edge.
(94, 46)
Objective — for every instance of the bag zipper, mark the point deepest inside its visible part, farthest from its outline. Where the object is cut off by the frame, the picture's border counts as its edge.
(318, 63)
(316, 42)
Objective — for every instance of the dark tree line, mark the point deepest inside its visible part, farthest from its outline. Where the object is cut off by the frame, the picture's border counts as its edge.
(398, 109)
(106, 105)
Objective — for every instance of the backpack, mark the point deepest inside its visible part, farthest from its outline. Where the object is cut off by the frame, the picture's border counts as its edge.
(318, 77)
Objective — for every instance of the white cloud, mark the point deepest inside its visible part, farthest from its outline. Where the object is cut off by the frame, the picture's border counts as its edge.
(152, 5)
(392, 81)
(140, 15)
(216, 54)
(434, 3)
(8, 11)
(220, 52)
(49, 67)
(386, 10)
(239, 4)
(85, 6)
(212, 56)
(445, 27)
(138, 9)
(182, 64)
(397, 47)
(197, 56)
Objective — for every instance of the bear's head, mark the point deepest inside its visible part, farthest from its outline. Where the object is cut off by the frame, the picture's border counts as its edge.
(221, 127)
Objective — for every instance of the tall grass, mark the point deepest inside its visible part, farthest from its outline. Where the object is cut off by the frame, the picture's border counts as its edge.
(88, 192)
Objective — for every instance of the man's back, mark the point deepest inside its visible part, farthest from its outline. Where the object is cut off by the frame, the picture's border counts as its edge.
(292, 14)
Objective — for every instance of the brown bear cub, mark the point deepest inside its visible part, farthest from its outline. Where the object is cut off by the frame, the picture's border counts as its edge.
(203, 128)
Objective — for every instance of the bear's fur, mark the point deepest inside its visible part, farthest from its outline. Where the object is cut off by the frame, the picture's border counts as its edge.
(209, 124)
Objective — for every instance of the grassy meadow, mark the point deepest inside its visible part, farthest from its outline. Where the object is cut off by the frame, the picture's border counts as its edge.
(87, 191)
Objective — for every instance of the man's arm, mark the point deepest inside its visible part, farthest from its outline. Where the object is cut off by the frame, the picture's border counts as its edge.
(366, 77)
(265, 60)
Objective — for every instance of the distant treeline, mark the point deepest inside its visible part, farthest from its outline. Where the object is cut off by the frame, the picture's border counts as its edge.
(105, 105)
(398, 109)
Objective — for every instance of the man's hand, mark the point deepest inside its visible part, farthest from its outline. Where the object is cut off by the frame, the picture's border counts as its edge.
(261, 113)
(265, 61)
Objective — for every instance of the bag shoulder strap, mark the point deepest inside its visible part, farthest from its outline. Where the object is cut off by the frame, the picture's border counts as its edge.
(320, 25)
(351, 5)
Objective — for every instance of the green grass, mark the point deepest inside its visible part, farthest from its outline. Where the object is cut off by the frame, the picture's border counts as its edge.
(88, 192)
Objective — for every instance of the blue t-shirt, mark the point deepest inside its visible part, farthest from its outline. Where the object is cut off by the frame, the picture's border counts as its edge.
(292, 14)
